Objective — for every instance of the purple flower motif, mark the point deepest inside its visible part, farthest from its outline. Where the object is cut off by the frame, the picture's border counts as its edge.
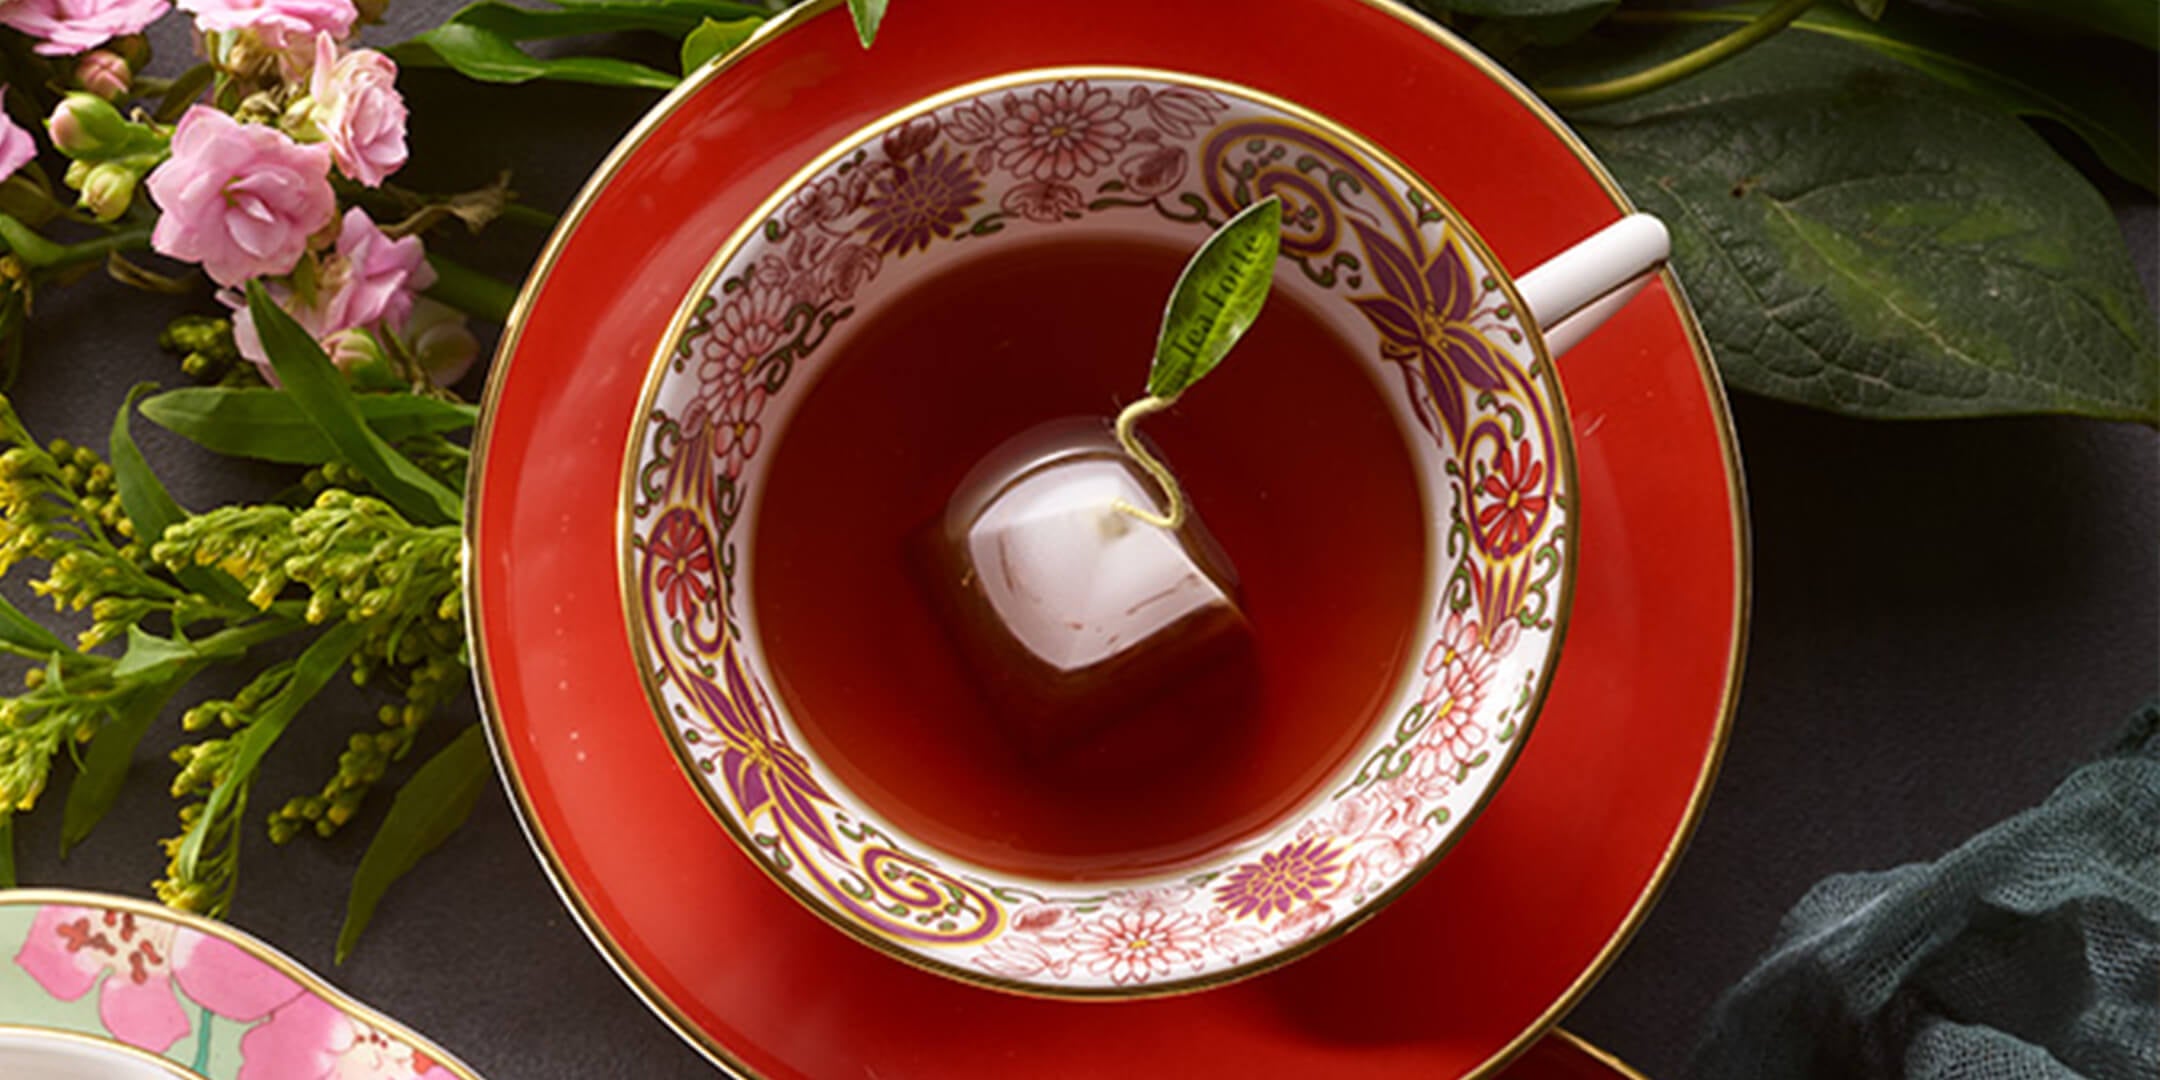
(911, 206)
(1281, 880)
(1423, 317)
(762, 771)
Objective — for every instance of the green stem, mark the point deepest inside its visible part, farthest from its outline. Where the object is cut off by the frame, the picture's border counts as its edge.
(1679, 67)
(1128, 439)
(471, 291)
(39, 253)
(530, 215)
(202, 1044)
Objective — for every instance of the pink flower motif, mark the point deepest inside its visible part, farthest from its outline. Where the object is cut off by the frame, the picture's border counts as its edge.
(1182, 110)
(1046, 201)
(310, 1039)
(66, 27)
(1017, 957)
(1458, 650)
(735, 430)
(17, 149)
(747, 328)
(823, 201)
(358, 110)
(1294, 876)
(1453, 726)
(1136, 946)
(1050, 922)
(1304, 922)
(849, 268)
(1153, 898)
(135, 962)
(972, 122)
(368, 280)
(1151, 172)
(241, 199)
(283, 25)
(1061, 131)
(910, 139)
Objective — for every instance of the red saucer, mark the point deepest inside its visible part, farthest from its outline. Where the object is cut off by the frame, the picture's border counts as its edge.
(1468, 968)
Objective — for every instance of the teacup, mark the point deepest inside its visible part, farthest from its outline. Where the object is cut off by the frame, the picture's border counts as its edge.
(1464, 349)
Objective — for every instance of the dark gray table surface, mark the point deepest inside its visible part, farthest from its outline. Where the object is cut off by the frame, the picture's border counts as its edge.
(1947, 616)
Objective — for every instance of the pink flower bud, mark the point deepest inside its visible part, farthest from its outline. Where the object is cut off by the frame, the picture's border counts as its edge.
(441, 342)
(16, 146)
(103, 73)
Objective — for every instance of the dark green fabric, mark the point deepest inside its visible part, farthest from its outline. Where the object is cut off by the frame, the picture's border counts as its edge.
(2031, 951)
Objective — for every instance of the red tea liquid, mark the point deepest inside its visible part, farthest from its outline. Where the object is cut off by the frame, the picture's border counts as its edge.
(1289, 453)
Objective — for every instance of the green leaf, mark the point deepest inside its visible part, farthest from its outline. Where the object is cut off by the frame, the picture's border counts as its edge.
(714, 38)
(1510, 9)
(311, 672)
(430, 807)
(2016, 74)
(112, 751)
(1860, 238)
(2134, 21)
(147, 651)
(1217, 298)
(674, 18)
(26, 633)
(150, 508)
(320, 392)
(268, 425)
(478, 54)
(867, 15)
(7, 851)
(1873, 9)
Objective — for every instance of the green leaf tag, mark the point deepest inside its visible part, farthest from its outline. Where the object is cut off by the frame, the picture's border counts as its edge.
(868, 14)
(1217, 298)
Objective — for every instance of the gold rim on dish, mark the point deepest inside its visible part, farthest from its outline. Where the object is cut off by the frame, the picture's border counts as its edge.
(498, 376)
(231, 935)
(1541, 370)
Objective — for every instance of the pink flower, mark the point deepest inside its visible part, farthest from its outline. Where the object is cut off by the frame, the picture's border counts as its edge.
(104, 73)
(849, 268)
(66, 27)
(1180, 110)
(1050, 922)
(281, 24)
(1045, 201)
(310, 1039)
(368, 280)
(825, 200)
(1152, 172)
(1452, 726)
(1459, 651)
(1064, 130)
(241, 199)
(135, 962)
(972, 122)
(16, 147)
(910, 139)
(358, 110)
(735, 430)
(1135, 946)
(744, 332)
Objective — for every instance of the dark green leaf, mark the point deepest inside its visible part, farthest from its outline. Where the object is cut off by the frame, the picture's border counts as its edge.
(268, 425)
(320, 392)
(714, 38)
(1873, 9)
(1861, 238)
(311, 672)
(2134, 21)
(2019, 75)
(1511, 9)
(147, 651)
(7, 851)
(1502, 38)
(674, 18)
(430, 807)
(1217, 298)
(478, 54)
(150, 508)
(112, 751)
(867, 15)
(26, 633)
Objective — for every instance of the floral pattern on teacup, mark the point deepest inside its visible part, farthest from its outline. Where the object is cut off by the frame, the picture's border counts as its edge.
(200, 1000)
(1389, 266)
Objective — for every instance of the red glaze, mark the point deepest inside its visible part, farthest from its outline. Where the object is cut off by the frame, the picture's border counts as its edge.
(1467, 965)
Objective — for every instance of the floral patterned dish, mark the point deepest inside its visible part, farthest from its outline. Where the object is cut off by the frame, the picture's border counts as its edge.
(1367, 246)
(113, 983)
